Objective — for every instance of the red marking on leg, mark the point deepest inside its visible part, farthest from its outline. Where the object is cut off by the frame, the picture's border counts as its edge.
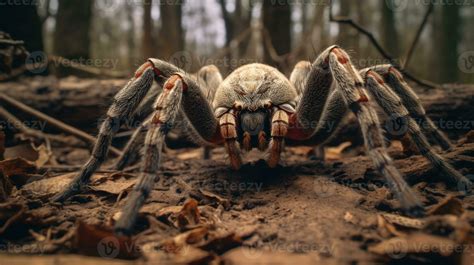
(341, 56)
(172, 82)
(395, 72)
(296, 131)
(376, 77)
(142, 69)
(156, 118)
(362, 96)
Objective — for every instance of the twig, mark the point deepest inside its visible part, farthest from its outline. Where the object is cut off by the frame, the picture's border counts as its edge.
(56, 123)
(418, 34)
(14, 121)
(380, 49)
(12, 42)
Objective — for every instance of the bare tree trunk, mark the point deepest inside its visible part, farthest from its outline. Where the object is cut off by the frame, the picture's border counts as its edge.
(450, 38)
(346, 33)
(171, 37)
(131, 46)
(72, 35)
(388, 30)
(148, 44)
(277, 20)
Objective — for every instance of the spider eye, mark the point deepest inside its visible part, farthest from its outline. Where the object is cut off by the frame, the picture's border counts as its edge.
(267, 104)
(238, 106)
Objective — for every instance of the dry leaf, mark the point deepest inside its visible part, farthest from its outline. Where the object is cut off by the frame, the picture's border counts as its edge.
(17, 170)
(334, 153)
(101, 241)
(404, 221)
(114, 183)
(450, 205)
(189, 215)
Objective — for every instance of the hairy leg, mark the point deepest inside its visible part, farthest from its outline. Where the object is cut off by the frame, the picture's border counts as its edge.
(125, 103)
(279, 129)
(167, 106)
(411, 101)
(335, 63)
(299, 75)
(392, 105)
(209, 78)
(180, 92)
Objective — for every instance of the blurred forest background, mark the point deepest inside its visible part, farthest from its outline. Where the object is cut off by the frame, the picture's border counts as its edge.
(120, 34)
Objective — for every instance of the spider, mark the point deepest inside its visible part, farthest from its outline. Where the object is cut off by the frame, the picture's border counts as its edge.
(256, 106)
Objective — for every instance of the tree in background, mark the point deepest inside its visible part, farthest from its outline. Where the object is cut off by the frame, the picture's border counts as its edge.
(388, 30)
(72, 34)
(449, 42)
(171, 35)
(276, 16)
(148, 42)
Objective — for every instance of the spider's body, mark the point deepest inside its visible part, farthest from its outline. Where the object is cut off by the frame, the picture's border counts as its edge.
(257, 106)
(252, 93)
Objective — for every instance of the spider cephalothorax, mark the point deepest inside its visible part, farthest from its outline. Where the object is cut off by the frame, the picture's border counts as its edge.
(258, 107)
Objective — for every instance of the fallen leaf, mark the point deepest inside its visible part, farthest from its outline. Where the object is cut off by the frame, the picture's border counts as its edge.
(450, 205)
(189, 215)
(334, 153)
(45, 155)
(114, 183)
(50, 186)
(404, 221)
(101, 241)
(215, 198)
(17, 170)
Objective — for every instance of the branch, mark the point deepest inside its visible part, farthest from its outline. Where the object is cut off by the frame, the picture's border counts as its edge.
(418, 34)
(56, 123)
(380, 49)
(14, 121)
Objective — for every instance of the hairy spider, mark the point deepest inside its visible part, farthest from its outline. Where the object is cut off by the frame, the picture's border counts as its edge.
(257, 106)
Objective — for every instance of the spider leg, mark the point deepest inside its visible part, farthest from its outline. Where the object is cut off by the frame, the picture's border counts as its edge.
(209, 78)
(167, 106)
(180, 92)
(131, 151)
(125, 103)
(279, 129)
(334, 63)
(227, 124)
(392, 105)
(298, 76)
(411, 101)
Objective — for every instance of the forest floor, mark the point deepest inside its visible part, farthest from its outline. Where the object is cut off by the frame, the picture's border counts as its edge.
(337, 211)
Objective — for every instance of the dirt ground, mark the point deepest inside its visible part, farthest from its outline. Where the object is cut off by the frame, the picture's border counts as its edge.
(304, 212)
